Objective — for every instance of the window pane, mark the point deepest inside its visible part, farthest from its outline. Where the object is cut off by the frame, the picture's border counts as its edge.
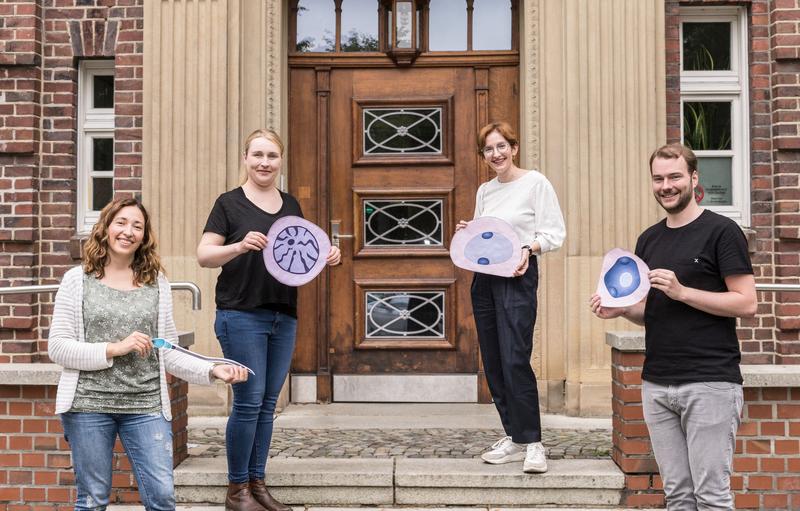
(359, 25)
(102, 192)
(448, 25)
(103, 154)
(491, 25)
(402, 130)
(707, 125)
(415, 314)
(403, 222)
(404, 24)
(316, 25)
(103, 89)
(707, 46)
(716, 179)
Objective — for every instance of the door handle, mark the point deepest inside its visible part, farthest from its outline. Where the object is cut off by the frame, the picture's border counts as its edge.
(335, 234)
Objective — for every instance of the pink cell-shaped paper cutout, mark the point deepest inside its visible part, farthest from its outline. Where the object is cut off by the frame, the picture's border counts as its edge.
(623, 279)
(296, 250)
(487, 245)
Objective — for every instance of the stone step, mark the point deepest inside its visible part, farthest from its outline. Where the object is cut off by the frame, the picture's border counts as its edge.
(422, 482)
(200, 507)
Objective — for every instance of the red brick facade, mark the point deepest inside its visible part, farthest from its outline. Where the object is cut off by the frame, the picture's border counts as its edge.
(36, 466)
(774, 67)
(767, 459)
(41, 42)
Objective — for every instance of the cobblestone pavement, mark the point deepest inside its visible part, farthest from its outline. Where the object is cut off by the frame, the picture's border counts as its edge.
(402, 443)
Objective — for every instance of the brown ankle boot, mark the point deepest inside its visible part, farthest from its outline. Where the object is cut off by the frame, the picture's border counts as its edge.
(239, 498)
(261, 494)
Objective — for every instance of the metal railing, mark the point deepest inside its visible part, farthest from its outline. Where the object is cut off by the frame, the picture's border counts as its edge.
(777, 287)
(197, 295)
(51, 288)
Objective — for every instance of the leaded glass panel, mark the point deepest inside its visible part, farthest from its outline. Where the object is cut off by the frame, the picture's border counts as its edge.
(410, 314)
(402, 130)
(403, 222)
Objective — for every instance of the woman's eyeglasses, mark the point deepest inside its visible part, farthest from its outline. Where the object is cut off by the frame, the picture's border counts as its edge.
(501, 148)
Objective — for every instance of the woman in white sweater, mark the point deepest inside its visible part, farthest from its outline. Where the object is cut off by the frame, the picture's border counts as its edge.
(114, 383)
(505, 308)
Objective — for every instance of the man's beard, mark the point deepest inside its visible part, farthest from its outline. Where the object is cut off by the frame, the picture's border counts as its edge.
(684, 200)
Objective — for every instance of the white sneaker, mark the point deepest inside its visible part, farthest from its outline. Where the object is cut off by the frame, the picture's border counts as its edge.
(504, 451)
(535, 460)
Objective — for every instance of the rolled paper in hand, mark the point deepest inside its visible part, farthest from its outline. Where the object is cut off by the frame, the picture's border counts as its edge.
(158, 342)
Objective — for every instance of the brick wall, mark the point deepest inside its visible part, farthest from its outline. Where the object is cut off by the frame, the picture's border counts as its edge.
(20, 113)
(767, 459)
(774, 39)
(784, 17)
(35, 461)
(41, 43)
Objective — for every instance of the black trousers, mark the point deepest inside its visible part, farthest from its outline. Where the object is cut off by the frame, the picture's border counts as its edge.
(505, 313)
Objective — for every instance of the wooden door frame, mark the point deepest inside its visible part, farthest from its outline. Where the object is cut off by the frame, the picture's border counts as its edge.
(322, 67)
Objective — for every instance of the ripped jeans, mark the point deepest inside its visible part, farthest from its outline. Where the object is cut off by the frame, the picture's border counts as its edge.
(147, 439)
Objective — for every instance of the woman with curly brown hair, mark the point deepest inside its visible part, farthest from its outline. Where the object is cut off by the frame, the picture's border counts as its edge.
(114, 383)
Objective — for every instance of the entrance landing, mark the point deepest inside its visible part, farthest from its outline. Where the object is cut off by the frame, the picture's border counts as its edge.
(343, 430)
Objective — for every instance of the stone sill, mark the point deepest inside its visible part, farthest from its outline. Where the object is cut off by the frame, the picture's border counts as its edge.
(755, 375)
(49, 374)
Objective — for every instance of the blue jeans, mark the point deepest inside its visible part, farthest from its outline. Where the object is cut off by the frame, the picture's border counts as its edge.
(693, 431)
(147, 439)
(263, 340)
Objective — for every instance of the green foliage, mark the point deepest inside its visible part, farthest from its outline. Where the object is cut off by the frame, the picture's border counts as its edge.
(705, 127)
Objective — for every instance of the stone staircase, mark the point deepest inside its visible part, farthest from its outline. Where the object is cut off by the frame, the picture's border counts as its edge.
(409, 456)
(412, 481)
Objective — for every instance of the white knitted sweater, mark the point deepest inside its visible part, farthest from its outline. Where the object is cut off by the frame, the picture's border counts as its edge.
(66, 345)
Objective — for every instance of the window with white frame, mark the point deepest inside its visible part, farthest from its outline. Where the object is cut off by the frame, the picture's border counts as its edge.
(714, 106)
(95, 140)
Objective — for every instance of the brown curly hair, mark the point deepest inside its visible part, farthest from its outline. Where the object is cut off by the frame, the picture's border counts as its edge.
(146, 263)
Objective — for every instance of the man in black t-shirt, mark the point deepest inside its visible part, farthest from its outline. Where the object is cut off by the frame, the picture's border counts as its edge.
(701, 281)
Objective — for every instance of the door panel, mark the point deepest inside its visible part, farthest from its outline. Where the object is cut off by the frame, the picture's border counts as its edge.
(397, 297)
(390, 159)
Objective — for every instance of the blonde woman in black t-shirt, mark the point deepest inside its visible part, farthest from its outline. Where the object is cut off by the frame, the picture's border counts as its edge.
(256, 316)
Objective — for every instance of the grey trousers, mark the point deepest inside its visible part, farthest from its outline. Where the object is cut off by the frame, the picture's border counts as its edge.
(693, 432)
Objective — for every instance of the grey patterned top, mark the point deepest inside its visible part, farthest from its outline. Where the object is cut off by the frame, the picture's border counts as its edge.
(131, 385)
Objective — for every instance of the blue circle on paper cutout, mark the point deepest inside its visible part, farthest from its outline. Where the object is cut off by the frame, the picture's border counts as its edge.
(489, 248)
(296, 250)
(622, 279)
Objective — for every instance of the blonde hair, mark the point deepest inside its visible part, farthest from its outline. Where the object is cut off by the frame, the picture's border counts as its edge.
(267, 133)
(146, 264)
(503, 128)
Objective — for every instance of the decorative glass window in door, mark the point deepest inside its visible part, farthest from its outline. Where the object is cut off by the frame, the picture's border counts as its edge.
(389, 223)
(411, 314)
(389, 131)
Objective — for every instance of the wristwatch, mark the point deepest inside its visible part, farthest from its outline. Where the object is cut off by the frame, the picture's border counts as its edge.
(528, 248)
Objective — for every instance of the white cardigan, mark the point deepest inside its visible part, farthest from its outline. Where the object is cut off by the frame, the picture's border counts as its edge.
(66, 344)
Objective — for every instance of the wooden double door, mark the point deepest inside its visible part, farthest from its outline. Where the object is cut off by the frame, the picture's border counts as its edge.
(384, 158)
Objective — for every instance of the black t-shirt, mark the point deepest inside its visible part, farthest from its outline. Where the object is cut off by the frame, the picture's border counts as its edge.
(684, 344)
(244, 283)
